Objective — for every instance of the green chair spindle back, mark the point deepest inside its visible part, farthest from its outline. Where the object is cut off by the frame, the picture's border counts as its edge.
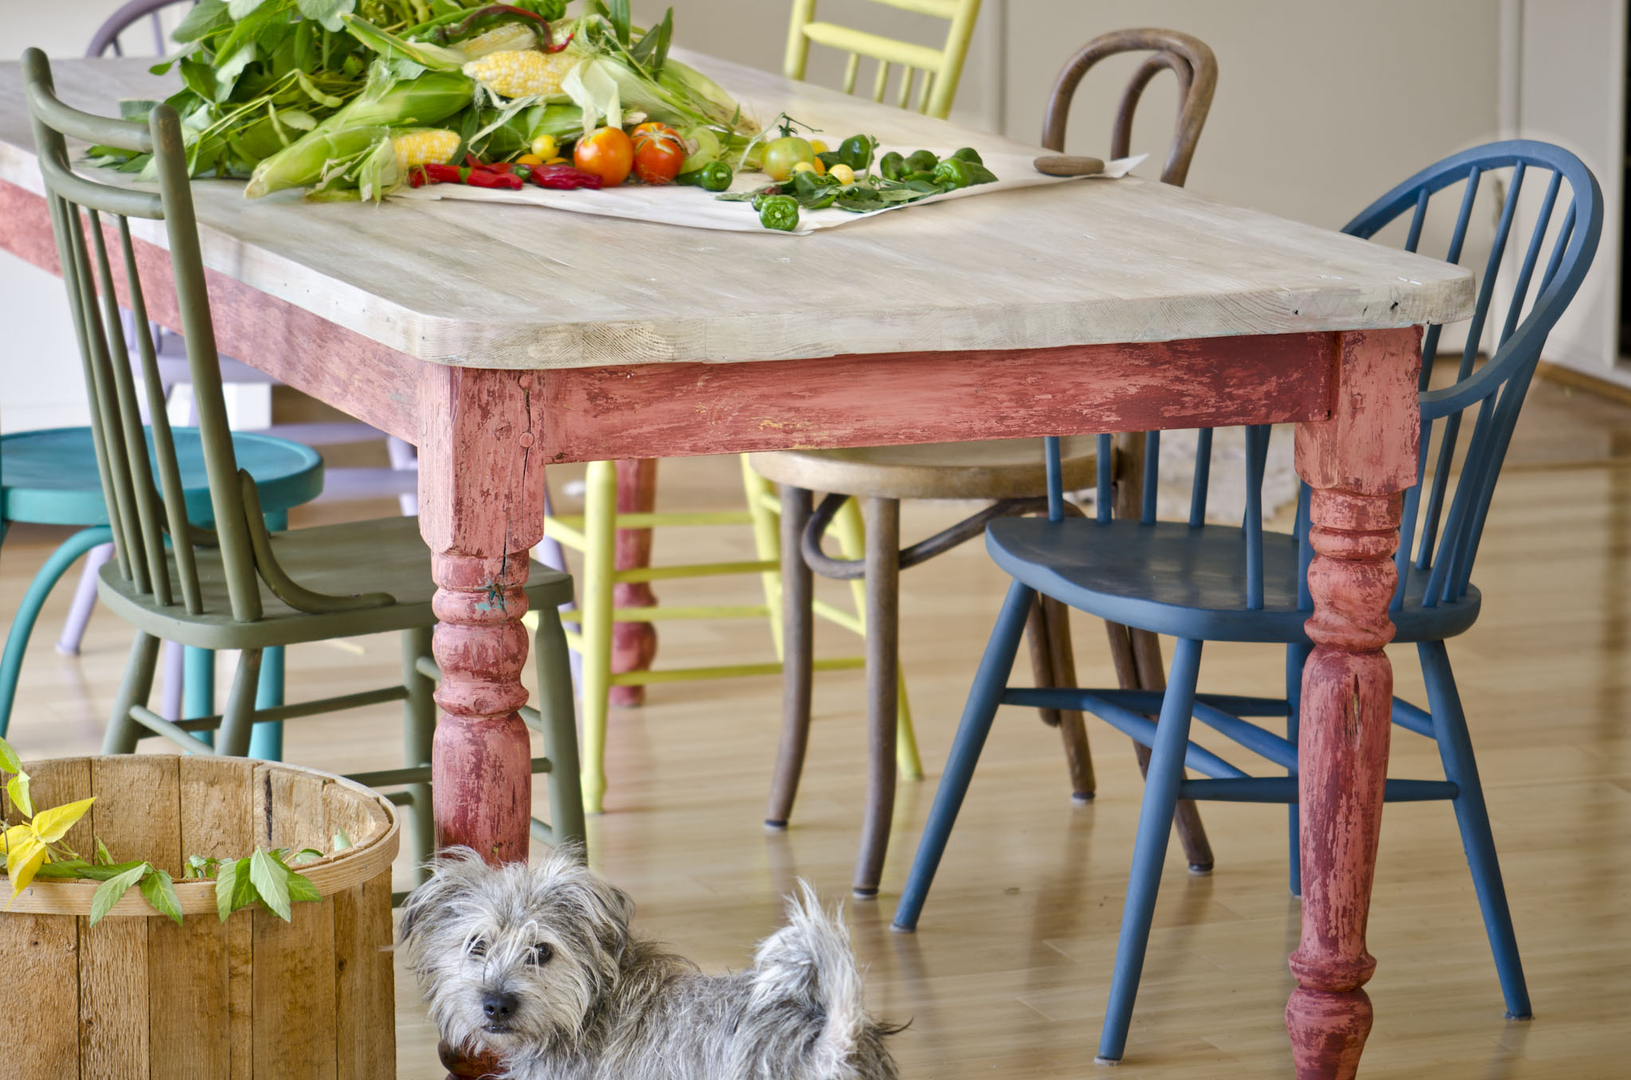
(142, 484)
(941, 69)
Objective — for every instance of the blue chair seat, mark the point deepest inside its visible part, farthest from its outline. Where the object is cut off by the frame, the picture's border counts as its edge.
(1172, 579)
(49, 477)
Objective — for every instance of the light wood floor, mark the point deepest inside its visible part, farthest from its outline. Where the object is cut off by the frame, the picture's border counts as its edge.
(1009, 972)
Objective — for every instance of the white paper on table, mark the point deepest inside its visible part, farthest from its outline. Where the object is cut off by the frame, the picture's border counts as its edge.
(672, 204)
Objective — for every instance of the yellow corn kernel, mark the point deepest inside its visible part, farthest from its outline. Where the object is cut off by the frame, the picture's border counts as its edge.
(515, 74)
(546, 146)
(507, 38)
(429, 147)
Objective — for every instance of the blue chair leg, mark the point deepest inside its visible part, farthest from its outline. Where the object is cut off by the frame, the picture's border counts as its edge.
(1296, 657)
(1461, 769)
(1161, 784)
(267, 741)
(198, 688)
(990, 680)
(28, 610)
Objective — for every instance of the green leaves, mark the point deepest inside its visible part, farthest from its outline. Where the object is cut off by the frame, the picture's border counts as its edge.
(160, 891)
(327, 12)
(269, 878)
(9, 761)
(205, 17)
(17, 788)
(262, 878)
(108, 893)
(240, 9)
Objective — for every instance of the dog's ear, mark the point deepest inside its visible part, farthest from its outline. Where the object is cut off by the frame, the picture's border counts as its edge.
(604, 908)
(453, 875)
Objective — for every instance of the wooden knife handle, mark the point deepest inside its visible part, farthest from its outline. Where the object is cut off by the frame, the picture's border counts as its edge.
(1068, 165)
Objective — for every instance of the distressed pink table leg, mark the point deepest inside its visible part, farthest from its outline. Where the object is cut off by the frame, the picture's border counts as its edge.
(1358, 462)
(634, 644)
(481, 508)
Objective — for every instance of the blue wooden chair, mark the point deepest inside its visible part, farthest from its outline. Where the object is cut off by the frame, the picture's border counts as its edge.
(1201, 582)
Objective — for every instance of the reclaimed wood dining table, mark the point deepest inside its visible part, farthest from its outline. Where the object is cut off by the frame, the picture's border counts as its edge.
(502, 340)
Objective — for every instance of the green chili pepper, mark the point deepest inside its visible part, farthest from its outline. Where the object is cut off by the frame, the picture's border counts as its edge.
(855, 151)
(921, 176)
(779, 212)
(952, 174)
(891, 166)
(714, 176)
(968, 153)
(922, 161)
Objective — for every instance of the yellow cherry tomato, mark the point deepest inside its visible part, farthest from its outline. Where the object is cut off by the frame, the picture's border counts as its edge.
(529, 159)
(843, 174)
(818, 146)
(557, 161)
(804, 166)
(546, 147)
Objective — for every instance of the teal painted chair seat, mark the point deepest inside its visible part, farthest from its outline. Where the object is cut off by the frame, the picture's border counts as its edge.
(49, 478)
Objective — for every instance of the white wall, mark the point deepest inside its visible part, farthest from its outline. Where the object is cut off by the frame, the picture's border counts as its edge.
(40, 383)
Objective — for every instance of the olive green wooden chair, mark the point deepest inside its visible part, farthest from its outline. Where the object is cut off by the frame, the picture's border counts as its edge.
(237, 585)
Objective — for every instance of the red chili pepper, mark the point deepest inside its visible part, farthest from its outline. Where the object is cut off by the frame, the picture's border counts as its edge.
(562, 177)
(456, 174)
(562, 45)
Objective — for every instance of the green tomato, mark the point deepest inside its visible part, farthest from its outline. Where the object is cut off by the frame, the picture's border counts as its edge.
(782, 154)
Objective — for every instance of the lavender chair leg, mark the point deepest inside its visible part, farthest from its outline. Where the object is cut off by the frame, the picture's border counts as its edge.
(404, 458)
(175, 678)
(552, 555)
(79, 613)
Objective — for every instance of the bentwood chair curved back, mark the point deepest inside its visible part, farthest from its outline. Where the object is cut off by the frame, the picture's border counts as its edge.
(1199, 582)
(236, 585)
(1006, 473)
(941, 68)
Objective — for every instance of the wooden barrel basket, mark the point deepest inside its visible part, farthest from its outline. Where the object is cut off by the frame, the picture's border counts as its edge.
(138, 997)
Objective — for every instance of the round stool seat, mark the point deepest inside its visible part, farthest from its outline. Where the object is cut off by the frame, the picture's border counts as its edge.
(50, 478)
(992, 469)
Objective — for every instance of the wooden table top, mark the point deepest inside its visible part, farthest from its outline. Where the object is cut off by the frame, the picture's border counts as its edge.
(479, 285)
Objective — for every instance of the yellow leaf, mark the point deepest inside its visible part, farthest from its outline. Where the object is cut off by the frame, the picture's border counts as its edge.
(51, 825)
(22, 863)
(16, 835)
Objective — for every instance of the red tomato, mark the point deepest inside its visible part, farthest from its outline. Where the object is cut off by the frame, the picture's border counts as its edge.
(658, 153)
(607, 153)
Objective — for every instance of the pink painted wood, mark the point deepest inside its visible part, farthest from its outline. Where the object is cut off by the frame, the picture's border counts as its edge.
(1358, 463)
(484, 442)
(888, 398)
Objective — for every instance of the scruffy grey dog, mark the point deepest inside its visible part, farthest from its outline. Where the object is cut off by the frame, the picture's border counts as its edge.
(538, 965)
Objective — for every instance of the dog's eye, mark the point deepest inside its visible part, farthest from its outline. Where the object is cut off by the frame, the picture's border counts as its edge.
(541, 954)
(477, 948)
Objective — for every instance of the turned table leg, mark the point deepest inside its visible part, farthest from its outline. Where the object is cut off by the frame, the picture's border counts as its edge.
(1357, 462)
(481, 495)
(634, 644)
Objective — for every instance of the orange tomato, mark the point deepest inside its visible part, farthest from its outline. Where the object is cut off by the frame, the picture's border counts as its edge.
(658, 153)
(608, 154)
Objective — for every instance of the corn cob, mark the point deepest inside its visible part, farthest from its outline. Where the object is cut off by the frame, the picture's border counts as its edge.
(428, 147)
(508, 37)
(514, 74)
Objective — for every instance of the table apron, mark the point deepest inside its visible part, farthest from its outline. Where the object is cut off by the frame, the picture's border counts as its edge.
(675, 410)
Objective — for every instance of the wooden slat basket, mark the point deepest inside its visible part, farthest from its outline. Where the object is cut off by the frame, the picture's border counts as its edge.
(137, 997)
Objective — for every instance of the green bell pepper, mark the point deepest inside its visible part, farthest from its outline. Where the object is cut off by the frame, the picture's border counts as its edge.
(780, 212)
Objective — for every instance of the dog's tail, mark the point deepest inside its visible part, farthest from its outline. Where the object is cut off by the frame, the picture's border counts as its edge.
(808, 964)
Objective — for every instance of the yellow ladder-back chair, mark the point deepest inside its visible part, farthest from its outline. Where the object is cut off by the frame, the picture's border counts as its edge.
(593, 534)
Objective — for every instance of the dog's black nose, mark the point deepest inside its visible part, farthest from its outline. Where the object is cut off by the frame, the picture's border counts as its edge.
(498, 1005)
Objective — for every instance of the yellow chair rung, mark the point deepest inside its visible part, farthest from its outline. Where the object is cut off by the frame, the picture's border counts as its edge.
(940, 9)
(838, 616)
(875, 45)
(725, 671)
(852, 68)
(654, 614)
(565, 534)
(694, 570)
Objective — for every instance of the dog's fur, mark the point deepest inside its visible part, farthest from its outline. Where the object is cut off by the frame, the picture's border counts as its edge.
(587, 1000)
